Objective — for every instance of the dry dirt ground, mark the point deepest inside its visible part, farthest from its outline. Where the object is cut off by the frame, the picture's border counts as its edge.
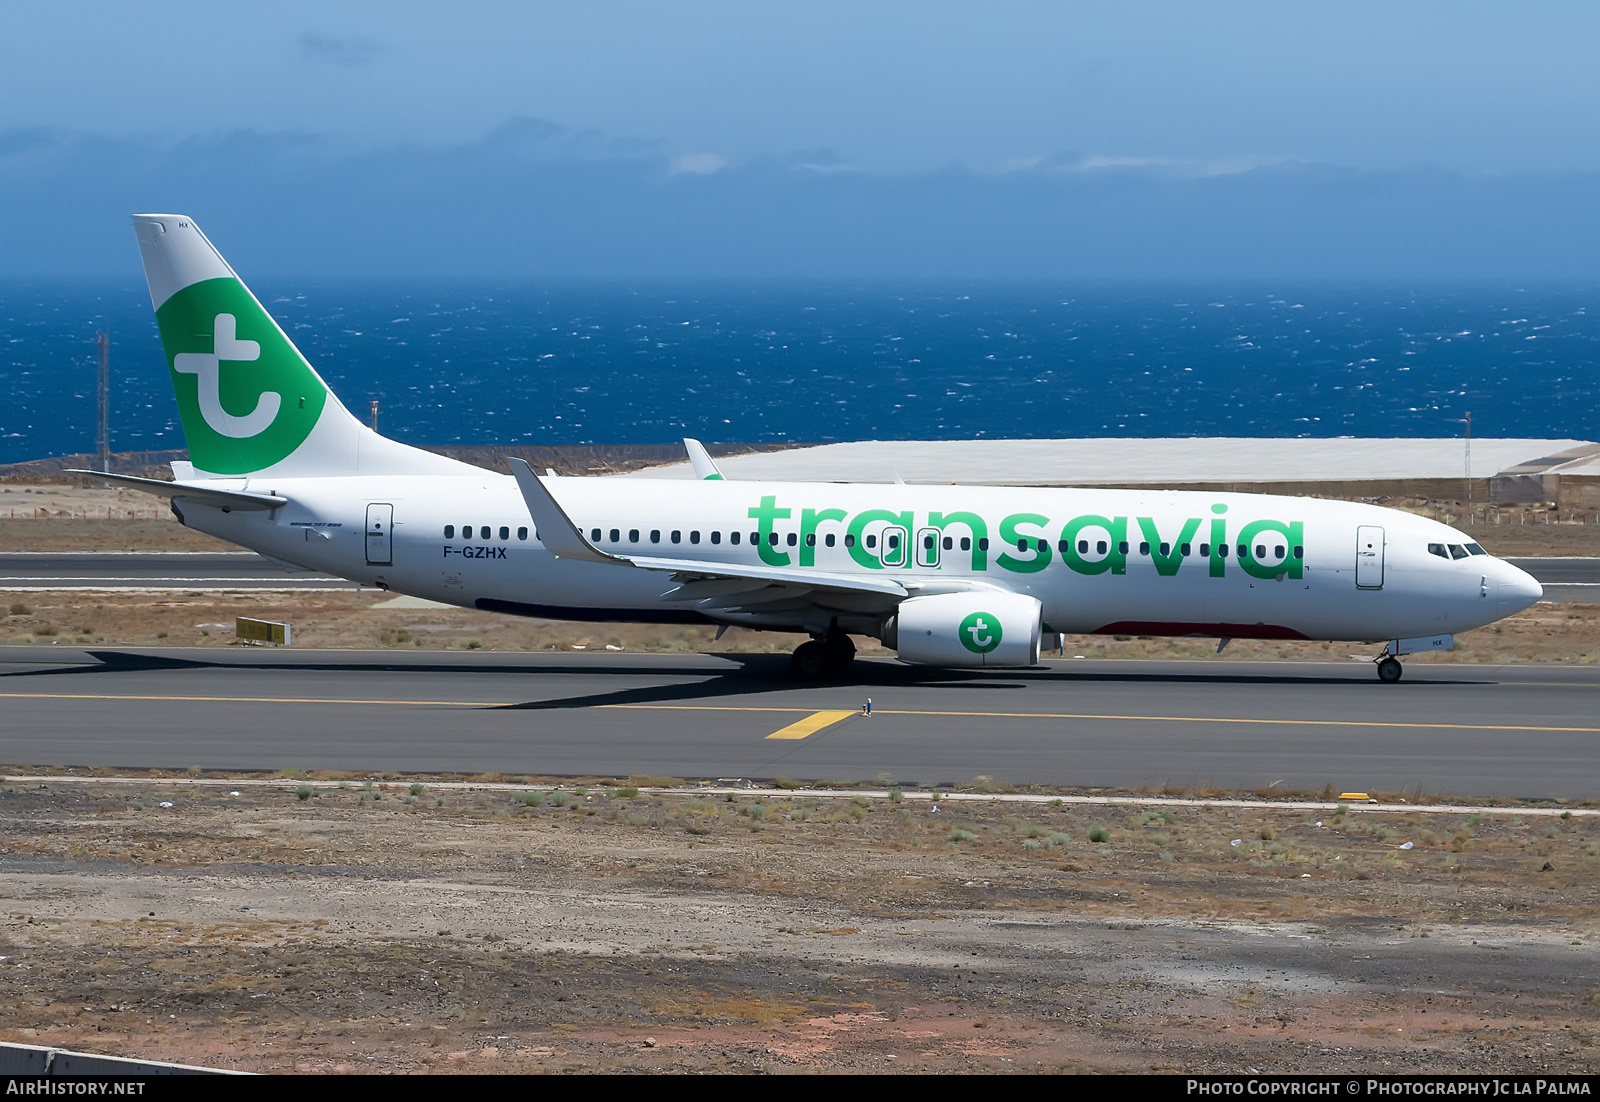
(420, 925)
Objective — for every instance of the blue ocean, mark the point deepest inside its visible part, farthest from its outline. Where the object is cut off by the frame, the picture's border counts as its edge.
(464, 363)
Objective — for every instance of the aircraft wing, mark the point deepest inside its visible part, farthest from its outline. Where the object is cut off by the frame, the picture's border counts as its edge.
(206, 495)
(564, 540)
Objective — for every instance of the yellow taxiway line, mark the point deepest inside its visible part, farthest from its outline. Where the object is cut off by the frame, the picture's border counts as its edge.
(840, 713)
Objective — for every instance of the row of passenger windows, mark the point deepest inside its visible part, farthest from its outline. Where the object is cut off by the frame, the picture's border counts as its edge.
(1455, 550)
(485, 532)
(634, 535)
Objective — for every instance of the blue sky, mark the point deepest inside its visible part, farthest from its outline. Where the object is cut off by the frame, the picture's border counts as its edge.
(816, 139)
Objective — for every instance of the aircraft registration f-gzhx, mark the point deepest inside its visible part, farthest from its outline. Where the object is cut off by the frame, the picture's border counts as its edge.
(949, 576)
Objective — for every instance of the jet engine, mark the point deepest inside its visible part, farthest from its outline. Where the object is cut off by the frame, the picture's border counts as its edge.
(987, 628)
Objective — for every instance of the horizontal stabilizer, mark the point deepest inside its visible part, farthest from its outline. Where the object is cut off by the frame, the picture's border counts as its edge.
(205, 495)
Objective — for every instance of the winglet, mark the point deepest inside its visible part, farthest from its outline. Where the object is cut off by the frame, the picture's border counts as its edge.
(701, 460)
(555, 529)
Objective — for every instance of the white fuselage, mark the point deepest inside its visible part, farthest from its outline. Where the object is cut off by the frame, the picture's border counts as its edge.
(1134, 561)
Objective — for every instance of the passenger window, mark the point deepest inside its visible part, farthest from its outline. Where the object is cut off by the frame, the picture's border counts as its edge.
(983, 543)
(772, 539)
(755, 537)
(1205, 550)
(1144, 547)
(1474, 549)
(633, 535)
(1244, 550)
(594, 535)
(1022, 545)
(894, 543)
(655, 535)
(522, 533)
(872, 541)
(466, 531)
(483, 533)
(1122, 548)
(793, 538)
(505, 532)
(966, 543)
(828, 539)
(677, 536)
(849, 540)
(949, 543)
(1457, 551)
(616, 536)
(694, 537)
(1100, 547)
(1083, 547)
(1261, 551)
(716, 537)
(1299, 551)
(733, 537)
(811, 539)
(449, 531)
(1183, 549)
(1277, 552)
(1166, 548)
(1222, 550)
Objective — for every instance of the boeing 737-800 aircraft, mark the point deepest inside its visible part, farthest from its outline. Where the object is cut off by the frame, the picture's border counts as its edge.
(947, 576)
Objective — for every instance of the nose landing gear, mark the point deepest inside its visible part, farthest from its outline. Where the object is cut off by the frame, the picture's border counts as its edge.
(1389, 669)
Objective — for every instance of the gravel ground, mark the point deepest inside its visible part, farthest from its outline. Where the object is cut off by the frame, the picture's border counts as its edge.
(414, 925)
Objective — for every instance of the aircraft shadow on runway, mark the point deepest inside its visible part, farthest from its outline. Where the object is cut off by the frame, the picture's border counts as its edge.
(744, 675)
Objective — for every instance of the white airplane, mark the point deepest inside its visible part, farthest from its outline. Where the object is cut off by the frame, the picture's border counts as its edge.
(947, 576)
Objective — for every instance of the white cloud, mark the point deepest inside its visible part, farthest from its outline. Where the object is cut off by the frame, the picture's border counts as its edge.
(697, 164)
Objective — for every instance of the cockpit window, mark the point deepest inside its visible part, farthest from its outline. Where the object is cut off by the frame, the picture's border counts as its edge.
(1474, 549)
(1457, 551)
(1438, 549)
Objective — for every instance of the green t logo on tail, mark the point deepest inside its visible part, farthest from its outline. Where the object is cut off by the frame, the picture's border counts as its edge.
(246, 396)
(980, 632)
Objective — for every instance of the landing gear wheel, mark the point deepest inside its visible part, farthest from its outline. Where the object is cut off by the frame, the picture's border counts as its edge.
(810, 661)
(841, 653)
(1389, 670)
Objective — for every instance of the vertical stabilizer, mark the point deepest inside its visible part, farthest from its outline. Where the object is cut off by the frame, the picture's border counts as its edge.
(248, 400)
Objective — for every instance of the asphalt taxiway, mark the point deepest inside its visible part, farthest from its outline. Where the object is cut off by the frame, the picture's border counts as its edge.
(1457, 729)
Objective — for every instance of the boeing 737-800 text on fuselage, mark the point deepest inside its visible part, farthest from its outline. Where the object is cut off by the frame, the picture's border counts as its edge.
(950, 576)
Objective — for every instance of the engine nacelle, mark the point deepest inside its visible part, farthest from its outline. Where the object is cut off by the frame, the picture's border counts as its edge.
(988, 628)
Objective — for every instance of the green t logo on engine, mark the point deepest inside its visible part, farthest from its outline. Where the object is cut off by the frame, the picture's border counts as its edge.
(980, 632)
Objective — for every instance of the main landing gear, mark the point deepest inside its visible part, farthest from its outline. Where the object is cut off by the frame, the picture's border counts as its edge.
(828, 656)
(1389, 669)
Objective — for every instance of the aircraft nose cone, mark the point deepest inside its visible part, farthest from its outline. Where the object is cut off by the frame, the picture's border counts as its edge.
(1518, 589)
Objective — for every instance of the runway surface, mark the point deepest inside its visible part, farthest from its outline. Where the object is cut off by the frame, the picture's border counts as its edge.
(1530, 731)
(155, 570)
(1566, 579)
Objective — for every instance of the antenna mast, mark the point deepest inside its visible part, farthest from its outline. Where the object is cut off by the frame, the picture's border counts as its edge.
(102, 436)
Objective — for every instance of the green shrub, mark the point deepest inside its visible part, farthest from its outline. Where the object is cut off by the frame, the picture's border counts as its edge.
(624, 793)
(959, 835)
(305, 792)
(1098, 833)
(417, 789)
(534, 799)
(560, 799)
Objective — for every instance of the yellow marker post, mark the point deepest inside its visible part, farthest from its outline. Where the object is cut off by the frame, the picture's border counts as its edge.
(813, 723)
(1362, 796)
